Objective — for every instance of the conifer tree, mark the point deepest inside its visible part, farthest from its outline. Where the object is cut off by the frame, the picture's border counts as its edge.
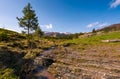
(28, 21)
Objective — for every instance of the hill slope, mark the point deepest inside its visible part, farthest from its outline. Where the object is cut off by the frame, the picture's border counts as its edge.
(114, 27)
(89, 58)
(7, 31)
(81, 58)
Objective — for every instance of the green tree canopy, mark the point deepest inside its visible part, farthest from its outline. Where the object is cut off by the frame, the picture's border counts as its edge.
(93, 31)
(38, 32)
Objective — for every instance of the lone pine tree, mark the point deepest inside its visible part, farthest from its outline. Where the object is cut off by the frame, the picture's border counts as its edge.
(28, 21)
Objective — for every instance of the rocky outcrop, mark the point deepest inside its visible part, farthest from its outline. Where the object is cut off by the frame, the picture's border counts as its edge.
(114, 40)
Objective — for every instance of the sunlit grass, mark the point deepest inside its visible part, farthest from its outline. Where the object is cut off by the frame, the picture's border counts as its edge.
(96, 39)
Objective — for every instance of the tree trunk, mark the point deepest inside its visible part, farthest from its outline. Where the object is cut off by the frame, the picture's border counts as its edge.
(28, 31)
(28, 28)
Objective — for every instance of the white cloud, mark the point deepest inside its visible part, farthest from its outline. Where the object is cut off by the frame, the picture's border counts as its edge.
(103, 24)
(92, 24)
(97, 24)
(48, 26)
(115, 3)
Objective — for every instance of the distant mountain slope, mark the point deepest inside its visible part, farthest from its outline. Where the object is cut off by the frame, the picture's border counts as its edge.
(114, 27)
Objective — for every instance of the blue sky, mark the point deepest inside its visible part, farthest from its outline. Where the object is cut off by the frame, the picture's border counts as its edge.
(62, 15)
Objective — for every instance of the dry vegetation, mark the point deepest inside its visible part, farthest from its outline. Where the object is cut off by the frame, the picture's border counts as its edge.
(101, 61)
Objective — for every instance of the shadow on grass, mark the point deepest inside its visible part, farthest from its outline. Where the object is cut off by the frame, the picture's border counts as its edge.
(22, 68)
(15, 61)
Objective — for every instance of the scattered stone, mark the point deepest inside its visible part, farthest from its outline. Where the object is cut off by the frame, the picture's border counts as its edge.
(115, 40)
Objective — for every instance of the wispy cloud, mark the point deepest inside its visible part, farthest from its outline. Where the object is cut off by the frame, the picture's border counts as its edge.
(103, 24)
(115, 3)
(47, 27)
(92, 24)
(97, 24)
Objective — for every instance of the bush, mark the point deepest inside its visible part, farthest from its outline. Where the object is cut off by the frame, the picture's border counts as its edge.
(4, 36)
(7, 74)
(17, 44)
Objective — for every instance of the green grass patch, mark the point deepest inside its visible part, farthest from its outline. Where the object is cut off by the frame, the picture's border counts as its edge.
(96, 39)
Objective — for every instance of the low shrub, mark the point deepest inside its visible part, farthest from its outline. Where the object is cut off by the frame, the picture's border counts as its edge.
(4, 36)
